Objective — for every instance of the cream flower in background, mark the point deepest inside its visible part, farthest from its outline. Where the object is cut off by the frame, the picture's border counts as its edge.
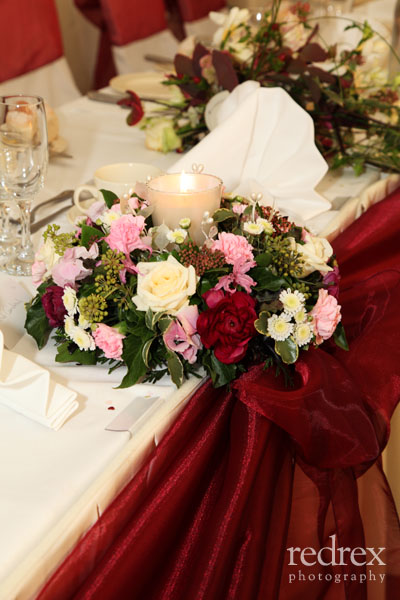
(161, 136)
(279, 327)
(231, 31)
(267, 225)
(164, 286)
(316, 252)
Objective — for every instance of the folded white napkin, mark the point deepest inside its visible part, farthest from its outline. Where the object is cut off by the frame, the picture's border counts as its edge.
(264, 142)
(28, 389)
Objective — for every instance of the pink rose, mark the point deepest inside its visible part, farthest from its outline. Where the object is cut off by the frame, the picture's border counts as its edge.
(326, 316)
(109, 340)
(125, 233)
(181, 336)
(70, 267)
(235, 248)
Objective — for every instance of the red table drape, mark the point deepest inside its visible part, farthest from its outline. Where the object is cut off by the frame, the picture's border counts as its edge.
(30, 36)
(244, 474)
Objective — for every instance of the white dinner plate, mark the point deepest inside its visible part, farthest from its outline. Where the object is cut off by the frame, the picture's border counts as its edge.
(146, 85)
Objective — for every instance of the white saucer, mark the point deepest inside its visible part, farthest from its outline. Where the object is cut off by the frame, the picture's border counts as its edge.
(146, 85)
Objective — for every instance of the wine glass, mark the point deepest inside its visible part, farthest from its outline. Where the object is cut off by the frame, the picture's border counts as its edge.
(23, 164)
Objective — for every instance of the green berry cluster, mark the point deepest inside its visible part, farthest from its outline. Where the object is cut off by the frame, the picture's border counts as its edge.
(302, 287)
(112, 263)
(93, 308)
(286, 259)
(61, 241)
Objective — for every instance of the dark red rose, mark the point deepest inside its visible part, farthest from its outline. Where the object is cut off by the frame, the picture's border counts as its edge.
(227, 325)
(331, 282)
(134, 103)
(53, 305)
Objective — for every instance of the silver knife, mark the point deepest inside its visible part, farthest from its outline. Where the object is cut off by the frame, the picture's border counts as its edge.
(48, 219)
(104, 97)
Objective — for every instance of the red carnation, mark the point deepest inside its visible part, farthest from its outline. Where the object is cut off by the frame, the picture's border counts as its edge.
(227, 325)
(53, 305)
(135, 104)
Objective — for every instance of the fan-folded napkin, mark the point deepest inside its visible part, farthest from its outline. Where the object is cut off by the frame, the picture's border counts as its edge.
(28, 389)
(263, 141)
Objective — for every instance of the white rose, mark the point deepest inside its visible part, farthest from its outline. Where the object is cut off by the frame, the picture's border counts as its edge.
(48, 255)
(164, 286)
(316, 252)
(160, 135)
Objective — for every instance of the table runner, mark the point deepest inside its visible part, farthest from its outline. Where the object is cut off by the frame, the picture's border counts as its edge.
(246, 473)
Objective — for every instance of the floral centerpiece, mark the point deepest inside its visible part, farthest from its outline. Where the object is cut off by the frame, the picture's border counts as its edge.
(121, 292)
(356, 110)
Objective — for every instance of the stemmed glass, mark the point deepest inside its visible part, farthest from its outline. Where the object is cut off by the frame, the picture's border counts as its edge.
(23, 164)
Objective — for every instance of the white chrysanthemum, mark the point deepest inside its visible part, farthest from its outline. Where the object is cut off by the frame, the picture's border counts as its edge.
(108, 217)
(70, 301)
(253, 228)
(69, 326)
(292, 301)
(177, 236)
(84, 323)
(300, 316)
(303, 333)
(279, 327)
(267, 225)
(185, 223)
(82, 339)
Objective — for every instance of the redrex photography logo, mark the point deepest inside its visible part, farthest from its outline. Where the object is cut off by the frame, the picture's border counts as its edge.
(334, 556)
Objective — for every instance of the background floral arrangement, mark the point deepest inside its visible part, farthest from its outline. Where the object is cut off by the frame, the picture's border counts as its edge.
(118, 291)
(356, 111)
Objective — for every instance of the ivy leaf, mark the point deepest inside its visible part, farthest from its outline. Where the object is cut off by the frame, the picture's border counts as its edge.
(175, 368)
(109, 197)
(146, 351)
(65, 355)
(288, 350)
(339, 337)
(90, 235)
(264, 259)
(36, 322)
(261, 323)
(222, 214)
(164, 323)
(132, 355)
(266, 280)
(151, 319)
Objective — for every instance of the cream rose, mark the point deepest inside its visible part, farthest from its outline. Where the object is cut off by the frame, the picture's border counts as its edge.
(316, 252)
(164, 286)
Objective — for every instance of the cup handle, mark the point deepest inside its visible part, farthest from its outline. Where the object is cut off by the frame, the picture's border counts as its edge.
(84, 188)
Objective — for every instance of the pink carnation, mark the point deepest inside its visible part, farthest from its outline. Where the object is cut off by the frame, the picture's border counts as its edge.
(125, 233)
(235, 248)
(181, 336)
(326, 316)
(109, 340)
(70, 268)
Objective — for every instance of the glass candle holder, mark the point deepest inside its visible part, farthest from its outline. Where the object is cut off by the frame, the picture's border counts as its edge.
(176, 196)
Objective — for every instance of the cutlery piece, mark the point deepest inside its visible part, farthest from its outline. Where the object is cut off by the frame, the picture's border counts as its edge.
(64, 195)
(104, 97)
(48, 219)
(156, 58)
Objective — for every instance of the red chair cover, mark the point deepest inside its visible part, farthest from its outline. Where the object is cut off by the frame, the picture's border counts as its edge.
(191, 10)
(30, 36)
(244, 474)
(120, 22)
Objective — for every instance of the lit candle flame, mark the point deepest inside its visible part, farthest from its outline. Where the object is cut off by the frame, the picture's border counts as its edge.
(184, 184)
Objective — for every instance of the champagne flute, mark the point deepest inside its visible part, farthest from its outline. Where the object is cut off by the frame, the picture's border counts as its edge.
(23, 164)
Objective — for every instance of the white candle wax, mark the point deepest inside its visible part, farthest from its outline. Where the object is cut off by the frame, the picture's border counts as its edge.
(187, 195)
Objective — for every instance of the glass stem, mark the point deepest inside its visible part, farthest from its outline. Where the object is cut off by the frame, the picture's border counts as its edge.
(26, 253)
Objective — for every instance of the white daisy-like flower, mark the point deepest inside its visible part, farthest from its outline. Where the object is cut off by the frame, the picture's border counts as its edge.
(82, 339)
(70, 301)
(84, 323)
(177, 236)
(69, 325)
(185, 223)
(267, 225)
(279, 327)
(300, 316)
(253, 228)
(292, 302)
(303, 333)
(108, 217)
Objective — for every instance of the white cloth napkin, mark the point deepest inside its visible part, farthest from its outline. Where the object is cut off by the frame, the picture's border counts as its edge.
(28, 389)
(264, 142)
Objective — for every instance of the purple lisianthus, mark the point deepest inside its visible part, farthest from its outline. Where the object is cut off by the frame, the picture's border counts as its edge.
(331, 282)
(53, 305)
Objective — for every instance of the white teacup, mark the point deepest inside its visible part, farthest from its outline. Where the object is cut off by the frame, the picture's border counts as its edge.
(119, 178)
